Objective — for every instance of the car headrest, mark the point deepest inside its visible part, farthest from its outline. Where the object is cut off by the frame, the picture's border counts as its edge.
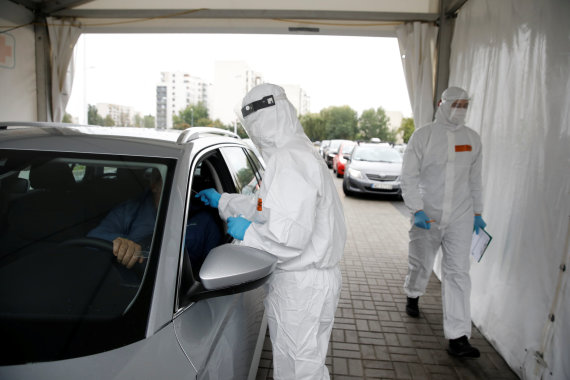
(14, 185)
(51, 175)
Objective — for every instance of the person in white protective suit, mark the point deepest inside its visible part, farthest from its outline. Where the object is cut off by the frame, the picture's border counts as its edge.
(297, 216)
(442, 186)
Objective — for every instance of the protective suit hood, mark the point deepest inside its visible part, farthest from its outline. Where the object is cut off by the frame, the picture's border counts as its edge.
(270, 120)
(450, 116)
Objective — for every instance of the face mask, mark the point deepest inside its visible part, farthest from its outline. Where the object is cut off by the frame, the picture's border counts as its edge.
(457, 115)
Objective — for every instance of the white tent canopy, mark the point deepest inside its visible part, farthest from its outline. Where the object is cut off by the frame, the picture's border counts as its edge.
(513, 57)
(321, 17)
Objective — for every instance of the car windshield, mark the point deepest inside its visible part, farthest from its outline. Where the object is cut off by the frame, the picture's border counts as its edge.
(376, 154)
(335, 145)
(347, 148)
(59, 278)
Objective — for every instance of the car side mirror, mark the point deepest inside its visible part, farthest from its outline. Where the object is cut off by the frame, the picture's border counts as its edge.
(230, 269)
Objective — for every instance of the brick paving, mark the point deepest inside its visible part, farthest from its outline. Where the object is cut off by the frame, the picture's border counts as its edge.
(373, 337)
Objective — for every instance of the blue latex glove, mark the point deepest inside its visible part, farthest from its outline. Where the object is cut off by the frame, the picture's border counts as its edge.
(478, 222)
(209, 196)
(421, 220)
(237, 227)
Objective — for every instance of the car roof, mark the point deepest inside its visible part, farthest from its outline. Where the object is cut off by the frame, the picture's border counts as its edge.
(106, 140)
(376, 145)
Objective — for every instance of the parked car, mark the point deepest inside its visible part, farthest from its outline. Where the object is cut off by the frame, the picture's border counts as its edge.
(332, 151)
(401, 148)
(340, 159)
(373, 169)
(323, 147)
(68, 309)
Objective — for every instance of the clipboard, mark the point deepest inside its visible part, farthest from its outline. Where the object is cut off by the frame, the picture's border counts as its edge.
(479, 244)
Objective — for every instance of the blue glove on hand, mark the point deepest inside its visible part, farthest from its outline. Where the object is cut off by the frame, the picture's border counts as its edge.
(478, 222)
(237, 227)
(209, 196)
(421, 220)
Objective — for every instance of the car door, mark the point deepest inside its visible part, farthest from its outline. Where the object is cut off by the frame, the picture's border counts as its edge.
(220, 335)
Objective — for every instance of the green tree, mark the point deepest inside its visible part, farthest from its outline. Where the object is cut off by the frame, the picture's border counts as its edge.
(138, 120)
(93, 117)
(340, 122)
(108, 121)
(67, 118)
(149, 121)
(407, 128)
(374, 123)
(193, 115)
(314, 126)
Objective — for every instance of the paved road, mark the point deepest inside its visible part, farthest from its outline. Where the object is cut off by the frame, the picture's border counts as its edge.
(373, 338)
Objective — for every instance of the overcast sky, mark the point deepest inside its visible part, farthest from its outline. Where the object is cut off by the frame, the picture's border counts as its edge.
(361, 72)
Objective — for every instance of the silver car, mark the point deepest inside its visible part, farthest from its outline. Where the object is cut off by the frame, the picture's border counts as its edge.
(373, 169)
(68, 309)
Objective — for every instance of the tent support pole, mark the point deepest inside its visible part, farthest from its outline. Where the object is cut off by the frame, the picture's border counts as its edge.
(43, 72)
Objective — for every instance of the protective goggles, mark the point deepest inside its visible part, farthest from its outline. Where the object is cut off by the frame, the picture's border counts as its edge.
(267, 101)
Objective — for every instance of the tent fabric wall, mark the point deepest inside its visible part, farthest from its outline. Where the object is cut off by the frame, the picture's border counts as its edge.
(513, 56)
(417, 49)
(63, 35)
(17, 72)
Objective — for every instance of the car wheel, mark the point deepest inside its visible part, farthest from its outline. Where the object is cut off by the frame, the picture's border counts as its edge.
(345, 189)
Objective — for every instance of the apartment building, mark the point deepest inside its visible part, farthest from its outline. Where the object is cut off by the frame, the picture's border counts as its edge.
(175, 92)
(232, 80)
(123, 116)
(298, 97)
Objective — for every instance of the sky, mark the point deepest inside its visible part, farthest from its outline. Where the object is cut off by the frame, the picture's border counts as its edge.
(361, 72)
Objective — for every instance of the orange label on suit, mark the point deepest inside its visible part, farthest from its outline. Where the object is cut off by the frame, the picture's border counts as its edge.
(259, 204)
(463, 148)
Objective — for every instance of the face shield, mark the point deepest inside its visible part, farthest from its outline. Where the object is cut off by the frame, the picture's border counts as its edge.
(454, 105)
(259, 115)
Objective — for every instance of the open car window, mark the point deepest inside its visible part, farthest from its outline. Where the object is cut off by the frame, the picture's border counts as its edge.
(245, 173)
(59, 215)
(230, 170)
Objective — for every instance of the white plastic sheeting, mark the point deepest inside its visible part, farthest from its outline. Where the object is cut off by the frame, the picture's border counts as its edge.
(417, 50)
(17, 64)
(513, 56)
(63, 35)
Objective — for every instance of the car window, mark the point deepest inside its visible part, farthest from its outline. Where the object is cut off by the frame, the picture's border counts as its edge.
(59, 214)
(376, 154)
(334, 145)
(347, 148)
(242, 169)
(226, 170)
(258, 164)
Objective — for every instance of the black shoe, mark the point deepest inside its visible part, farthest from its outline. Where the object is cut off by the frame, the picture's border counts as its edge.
(412, 308)
(461, 347)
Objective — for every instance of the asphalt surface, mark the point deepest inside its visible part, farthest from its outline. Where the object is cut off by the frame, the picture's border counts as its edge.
(373, 337)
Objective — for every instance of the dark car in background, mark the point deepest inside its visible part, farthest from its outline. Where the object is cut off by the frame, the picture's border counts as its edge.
(332, 151)
(373, 169)
(340, 159)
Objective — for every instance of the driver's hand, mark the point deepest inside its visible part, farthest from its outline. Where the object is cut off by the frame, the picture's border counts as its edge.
(127, 252)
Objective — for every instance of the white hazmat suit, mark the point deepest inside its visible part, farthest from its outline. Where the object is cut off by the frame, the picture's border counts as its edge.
(441, 175)
(297, 216)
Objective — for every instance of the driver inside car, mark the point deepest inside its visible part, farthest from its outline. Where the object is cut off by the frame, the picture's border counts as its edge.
(130, 226)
